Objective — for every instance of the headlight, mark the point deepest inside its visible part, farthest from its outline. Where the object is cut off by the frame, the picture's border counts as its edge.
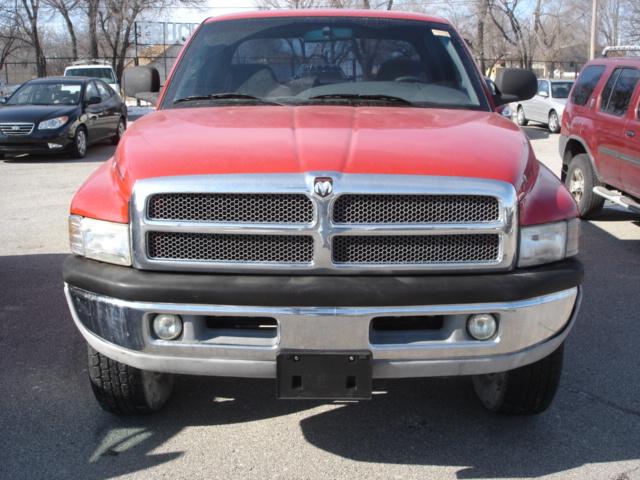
(53, 123)
(100, 240)
(549, 242)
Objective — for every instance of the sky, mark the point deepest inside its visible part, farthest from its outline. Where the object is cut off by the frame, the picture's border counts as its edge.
(210, 9)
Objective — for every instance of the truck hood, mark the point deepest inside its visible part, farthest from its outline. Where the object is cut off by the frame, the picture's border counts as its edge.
(279, 139)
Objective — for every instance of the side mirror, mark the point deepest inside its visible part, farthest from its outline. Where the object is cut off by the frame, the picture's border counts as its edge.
(141, 82)
(3, 100)
(93, 101)
(514, 85)
(543, 93)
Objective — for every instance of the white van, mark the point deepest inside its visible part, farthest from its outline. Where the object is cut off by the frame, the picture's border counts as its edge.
(103, 71)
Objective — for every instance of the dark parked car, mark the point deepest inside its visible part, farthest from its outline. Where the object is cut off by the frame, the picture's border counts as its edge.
(52, 115)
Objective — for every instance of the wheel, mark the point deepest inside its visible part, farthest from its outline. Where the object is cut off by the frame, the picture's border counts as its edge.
(580, 181)
(554, 122)
(125, 390)
(122, 126)
(79, 146)
(522, 120)
(527, 390)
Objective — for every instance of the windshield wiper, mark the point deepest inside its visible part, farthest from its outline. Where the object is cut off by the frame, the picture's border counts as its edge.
(357, 96)
(225, 96)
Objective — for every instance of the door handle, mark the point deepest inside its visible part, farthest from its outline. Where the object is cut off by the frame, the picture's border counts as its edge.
(630, 133)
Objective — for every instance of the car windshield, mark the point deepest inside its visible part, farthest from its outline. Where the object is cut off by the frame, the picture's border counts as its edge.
(561, 89)
(47, 94)
(104, 74)
(336, 60)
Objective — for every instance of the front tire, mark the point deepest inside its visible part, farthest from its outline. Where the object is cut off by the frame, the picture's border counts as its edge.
(520, 117)
(125, 390)
(554, 122)
(80, 143)
(580, 181)
(122, 126)
(527, 390)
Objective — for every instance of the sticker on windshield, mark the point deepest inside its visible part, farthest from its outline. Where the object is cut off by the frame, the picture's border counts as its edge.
(70, 88)
(440, 33)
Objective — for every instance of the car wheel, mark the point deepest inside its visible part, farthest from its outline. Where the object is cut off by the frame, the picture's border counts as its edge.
(527, 390)
(122, 126)
(580, 181)
(79, 147)
(554, 122)
(522, 120)
(125, 390)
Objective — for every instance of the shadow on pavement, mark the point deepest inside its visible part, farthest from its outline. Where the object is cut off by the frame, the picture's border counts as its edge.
(52, 427)
(536, 132)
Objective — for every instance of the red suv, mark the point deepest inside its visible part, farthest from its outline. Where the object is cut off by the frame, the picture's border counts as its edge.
(600, 141)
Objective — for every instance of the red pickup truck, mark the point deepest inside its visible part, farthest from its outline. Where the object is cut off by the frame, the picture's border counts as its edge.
(600, 137)
(324, 198)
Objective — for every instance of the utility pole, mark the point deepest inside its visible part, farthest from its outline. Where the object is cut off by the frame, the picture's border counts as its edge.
(594, 26)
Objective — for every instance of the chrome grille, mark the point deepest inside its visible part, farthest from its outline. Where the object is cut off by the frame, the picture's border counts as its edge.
(278, 224)
(16, 129)
(385, 209)
(418, 249)
(232, 207)
(230, 248)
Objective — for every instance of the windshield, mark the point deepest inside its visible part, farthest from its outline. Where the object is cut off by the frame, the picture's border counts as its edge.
(104, 74)
(333, 60)
(561, 89)
(47, 94)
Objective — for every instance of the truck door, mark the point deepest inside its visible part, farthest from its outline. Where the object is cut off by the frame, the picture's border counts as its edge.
(610, 120)
(630, 154)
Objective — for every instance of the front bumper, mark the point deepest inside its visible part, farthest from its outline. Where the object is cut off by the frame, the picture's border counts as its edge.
(530, 327)
(37, 143)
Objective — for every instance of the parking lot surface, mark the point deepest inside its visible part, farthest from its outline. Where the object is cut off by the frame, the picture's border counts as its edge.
(51, 427)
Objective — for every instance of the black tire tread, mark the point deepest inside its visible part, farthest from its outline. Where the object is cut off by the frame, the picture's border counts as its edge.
(116, 386)
(525, 122)
(116, 139)
(74, 151)
(590, 201)
(531, 389)
(557, 130)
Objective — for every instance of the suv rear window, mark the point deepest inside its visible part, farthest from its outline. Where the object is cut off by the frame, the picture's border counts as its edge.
(618, 91)
(586, 83)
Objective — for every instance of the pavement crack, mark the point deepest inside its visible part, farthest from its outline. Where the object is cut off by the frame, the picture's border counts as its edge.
(608, 403)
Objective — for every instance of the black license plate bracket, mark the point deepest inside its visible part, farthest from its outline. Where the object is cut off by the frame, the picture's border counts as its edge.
(324, 375)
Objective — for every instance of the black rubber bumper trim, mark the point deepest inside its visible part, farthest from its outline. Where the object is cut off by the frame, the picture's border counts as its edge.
(319, 291)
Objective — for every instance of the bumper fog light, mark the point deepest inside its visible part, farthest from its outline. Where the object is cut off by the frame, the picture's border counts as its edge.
(167, 327)
(54, 145)
(482, 326)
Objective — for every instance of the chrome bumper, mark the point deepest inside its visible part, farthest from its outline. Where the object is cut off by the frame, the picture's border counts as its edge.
(528, 331)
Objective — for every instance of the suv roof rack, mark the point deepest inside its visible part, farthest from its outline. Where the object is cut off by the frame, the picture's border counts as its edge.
(91, 61)
(622, 51)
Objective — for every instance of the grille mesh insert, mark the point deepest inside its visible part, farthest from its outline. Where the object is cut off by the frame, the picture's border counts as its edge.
(422, 249)
(230, 248)
(415, 209)
(231, 207)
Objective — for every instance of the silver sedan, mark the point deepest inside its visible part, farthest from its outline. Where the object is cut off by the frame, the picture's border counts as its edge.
(547, 105)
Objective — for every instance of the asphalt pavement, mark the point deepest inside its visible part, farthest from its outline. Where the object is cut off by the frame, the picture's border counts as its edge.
(51, 427)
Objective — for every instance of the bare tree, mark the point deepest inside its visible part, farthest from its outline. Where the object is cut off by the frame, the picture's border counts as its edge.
(66, 9)
(117, 19)
(481, 7)
(9, 40)
(27, 20)
(92, 8)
